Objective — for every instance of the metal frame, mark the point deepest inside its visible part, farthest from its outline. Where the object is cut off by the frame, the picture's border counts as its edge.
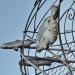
(62, 52)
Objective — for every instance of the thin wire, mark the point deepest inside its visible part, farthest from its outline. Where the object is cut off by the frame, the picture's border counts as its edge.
(27, 25)
(45, 15)
(29, 17)
(51, 68)
(60, 37)
(61, 60)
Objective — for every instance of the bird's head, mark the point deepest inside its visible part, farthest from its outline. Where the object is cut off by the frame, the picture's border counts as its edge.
(55, 11)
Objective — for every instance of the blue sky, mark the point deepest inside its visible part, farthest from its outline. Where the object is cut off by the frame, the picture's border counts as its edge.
(13, 16)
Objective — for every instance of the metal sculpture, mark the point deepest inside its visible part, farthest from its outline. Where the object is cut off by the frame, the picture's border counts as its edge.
(59, 58)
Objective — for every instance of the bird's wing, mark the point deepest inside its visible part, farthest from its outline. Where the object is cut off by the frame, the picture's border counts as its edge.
(42, 29)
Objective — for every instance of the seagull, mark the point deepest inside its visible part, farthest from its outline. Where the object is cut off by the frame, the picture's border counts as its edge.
(48, 31)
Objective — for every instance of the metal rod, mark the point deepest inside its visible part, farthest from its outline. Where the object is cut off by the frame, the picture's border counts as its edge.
(33, 64)
(43, 61)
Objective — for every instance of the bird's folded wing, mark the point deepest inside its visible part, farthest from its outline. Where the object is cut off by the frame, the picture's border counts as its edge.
(42, 29)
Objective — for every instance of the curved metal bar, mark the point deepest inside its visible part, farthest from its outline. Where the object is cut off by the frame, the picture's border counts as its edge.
(66, 11)
(34, 15)
(70, 18)
(45, 15)
(65, 23)
(29, 17)
(61, 39)
(73, 16)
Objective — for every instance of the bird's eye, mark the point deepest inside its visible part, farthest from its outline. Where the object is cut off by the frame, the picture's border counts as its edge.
(48, 21)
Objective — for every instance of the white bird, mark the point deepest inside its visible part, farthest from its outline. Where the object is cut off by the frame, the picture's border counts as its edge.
(48, 31)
